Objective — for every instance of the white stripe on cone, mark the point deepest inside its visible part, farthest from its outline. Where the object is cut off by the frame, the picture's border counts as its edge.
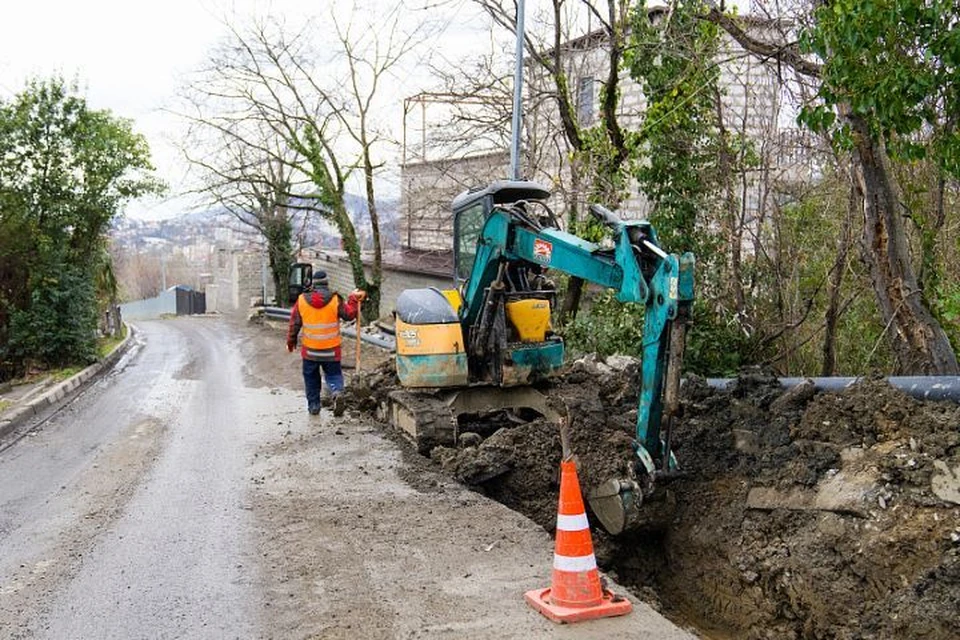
(578, 564)
(572, 523)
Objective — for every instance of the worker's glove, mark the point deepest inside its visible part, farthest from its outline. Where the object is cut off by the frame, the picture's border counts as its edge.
(290, 347)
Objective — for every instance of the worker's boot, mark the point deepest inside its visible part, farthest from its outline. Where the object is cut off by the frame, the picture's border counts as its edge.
(339, 405)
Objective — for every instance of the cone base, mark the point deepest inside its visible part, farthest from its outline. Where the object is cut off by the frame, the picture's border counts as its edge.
(611, 605)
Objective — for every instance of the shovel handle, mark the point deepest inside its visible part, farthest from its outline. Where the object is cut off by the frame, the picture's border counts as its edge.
(356, 364)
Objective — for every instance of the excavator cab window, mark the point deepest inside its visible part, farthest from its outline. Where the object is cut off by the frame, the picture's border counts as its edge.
(468, 223)
(300, 275)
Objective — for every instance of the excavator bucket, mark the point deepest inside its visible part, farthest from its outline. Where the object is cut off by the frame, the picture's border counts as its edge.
(621, 507)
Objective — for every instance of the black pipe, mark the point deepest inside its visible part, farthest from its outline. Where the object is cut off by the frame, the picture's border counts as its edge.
(919, 387)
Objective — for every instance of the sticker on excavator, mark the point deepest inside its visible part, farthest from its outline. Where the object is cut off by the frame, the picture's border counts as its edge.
(542, 251)
(673, 288)
(410, 337)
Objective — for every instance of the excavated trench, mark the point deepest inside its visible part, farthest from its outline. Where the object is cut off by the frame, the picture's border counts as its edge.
(800, 514)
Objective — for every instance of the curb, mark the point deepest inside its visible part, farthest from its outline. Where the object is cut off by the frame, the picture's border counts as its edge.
(18, 415)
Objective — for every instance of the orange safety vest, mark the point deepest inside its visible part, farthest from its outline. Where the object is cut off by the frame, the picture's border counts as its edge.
(321, 327)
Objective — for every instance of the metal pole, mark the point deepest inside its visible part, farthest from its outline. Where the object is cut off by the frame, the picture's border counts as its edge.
(406, 112)
(517, 97)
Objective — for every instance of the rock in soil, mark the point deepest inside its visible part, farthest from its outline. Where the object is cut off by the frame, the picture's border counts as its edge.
(801, 514)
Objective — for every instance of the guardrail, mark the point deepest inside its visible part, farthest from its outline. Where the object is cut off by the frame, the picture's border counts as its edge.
(378, 340)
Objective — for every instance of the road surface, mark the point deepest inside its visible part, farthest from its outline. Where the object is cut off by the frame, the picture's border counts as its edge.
(187, 494)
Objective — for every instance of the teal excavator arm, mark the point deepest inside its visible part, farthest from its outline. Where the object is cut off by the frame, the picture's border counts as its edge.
(637, 269)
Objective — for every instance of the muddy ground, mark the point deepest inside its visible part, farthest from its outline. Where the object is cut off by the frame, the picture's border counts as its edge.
(800, 514)
(361, 537)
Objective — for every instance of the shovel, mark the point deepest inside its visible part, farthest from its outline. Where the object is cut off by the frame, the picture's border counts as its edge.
(361, 296)
(356, 366)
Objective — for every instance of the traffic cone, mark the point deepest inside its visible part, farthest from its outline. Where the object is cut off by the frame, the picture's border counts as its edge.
(576, 593)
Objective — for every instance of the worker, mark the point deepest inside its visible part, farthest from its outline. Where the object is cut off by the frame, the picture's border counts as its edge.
(317, 315)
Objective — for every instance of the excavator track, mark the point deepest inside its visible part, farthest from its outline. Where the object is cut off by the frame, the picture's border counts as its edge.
(428, 418)
(424, 418)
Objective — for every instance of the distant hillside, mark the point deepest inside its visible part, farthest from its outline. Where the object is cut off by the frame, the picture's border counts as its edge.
(218, 227)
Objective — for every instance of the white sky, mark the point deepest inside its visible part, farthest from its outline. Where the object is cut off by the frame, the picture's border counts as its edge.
(129, 56)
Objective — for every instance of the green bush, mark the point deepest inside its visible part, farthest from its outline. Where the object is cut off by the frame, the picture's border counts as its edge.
(946, 307)
(714, 344)
(59, 326)
(606, 328)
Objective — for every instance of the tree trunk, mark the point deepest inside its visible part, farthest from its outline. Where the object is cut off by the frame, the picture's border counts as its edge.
(351, 245)
(735, 227)
(276, 230)
(834, 285)
(571, 301)
(918, 341)
(371, 306)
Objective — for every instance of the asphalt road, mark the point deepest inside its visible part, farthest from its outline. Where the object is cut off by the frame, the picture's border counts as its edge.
(123, 516)
(183, 496)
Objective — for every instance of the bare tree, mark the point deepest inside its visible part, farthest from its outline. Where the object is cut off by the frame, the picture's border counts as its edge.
(291, 123)
(372, 50)
(250, 176)
(596, 171)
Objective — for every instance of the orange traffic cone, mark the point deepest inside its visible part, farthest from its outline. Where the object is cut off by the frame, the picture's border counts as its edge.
(576, 593)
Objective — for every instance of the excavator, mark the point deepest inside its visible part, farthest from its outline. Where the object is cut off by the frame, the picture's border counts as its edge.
(479, 347)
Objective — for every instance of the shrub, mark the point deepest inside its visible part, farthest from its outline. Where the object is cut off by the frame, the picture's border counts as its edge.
(59, 326)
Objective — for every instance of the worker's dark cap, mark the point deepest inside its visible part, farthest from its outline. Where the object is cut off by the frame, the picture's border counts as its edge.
(320, 278)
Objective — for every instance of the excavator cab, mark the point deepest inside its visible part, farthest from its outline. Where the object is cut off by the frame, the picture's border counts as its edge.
(508, 300)
(301, 274)
(477, 348)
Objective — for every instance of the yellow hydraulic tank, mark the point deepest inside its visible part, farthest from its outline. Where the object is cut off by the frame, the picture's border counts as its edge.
(530, 317)
(453, 297)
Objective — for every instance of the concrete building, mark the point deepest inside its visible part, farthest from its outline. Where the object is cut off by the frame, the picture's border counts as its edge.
(753, 103)
(429, 189)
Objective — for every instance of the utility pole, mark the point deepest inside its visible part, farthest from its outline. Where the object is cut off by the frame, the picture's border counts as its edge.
(517, 97)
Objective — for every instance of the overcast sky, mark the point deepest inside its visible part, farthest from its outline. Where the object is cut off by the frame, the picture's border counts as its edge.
(129, 56)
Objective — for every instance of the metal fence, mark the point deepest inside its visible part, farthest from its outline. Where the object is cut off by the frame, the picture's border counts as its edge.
(175, 301)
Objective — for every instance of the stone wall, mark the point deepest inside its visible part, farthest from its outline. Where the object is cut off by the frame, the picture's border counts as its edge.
(395, 279)
(237, 277)
(224, 295)
(254, 279)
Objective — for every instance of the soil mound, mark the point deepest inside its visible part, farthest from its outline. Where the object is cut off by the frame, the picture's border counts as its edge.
(800, 514)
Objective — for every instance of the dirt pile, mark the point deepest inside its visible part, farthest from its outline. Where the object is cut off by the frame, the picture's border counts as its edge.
(801, 515)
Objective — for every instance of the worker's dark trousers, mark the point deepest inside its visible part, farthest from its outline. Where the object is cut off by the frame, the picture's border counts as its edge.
(333, 375)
